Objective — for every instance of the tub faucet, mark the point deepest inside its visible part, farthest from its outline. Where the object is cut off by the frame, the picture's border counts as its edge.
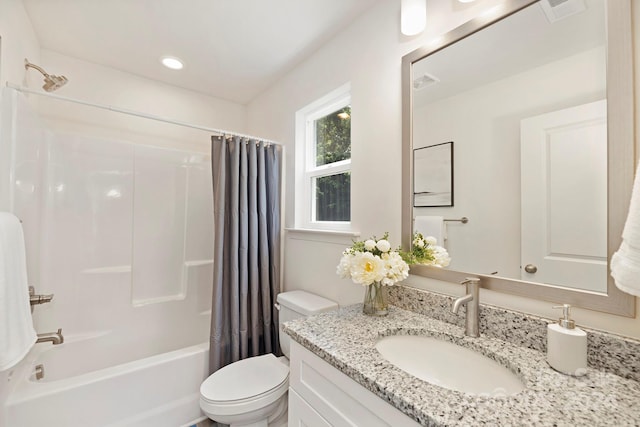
(471, 299)
(38, 299)
(54, 338)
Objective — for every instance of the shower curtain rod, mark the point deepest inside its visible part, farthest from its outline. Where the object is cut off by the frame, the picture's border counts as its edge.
(220, 132)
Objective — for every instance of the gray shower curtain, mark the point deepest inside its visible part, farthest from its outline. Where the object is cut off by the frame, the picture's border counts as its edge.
(246, 260)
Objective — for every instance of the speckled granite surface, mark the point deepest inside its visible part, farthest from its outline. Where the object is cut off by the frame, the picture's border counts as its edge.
(608, 352)
(345, 339)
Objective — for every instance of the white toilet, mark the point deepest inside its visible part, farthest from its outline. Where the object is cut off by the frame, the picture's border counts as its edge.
(253, 392)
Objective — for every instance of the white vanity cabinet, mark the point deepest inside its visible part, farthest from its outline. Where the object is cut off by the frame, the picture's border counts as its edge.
(322, 396)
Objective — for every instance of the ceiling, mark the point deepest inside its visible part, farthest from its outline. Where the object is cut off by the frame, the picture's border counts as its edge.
(232, 49)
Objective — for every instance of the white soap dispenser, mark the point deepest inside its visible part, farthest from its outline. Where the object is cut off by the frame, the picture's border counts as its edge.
(567, 345)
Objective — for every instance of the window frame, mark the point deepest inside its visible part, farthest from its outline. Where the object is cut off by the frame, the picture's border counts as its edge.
(306, 169)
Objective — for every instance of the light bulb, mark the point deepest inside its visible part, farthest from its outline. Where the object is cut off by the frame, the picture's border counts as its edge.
(413, 16)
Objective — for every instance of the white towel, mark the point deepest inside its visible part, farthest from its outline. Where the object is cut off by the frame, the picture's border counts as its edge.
(17, 335)
(625, 263)
(431, 226)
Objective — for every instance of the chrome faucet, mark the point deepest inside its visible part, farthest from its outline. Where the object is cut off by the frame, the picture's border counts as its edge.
(471, 299)
(54, 338)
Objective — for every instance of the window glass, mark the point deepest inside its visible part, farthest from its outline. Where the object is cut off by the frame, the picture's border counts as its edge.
(333, 137)
(333, 197)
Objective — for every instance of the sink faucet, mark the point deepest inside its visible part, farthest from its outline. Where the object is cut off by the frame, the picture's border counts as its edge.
(471, 299)
(54, 338)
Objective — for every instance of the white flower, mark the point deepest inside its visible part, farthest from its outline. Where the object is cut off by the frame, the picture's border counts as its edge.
(366, 268)
(383, 245)
(343, 269)
(370, 245)
(396, 268)
(418, 243)
(431, 240)
(441, 257)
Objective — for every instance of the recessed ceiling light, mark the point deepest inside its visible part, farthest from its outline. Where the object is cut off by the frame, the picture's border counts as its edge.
(171, 62)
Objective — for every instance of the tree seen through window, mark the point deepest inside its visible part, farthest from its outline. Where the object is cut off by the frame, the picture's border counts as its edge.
(333, 144)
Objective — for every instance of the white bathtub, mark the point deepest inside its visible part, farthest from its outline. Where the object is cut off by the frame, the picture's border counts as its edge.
(156, 391)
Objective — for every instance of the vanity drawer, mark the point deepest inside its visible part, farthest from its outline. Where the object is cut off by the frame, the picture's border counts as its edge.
(337, 398)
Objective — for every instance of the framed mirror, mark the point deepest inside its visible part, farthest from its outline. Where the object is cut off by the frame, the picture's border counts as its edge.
(538, 97)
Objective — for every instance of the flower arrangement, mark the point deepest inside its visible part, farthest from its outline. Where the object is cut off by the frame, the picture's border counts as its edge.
(374, 264)
(372, 260)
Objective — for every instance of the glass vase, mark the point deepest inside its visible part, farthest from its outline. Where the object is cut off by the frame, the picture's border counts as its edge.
(375, 300)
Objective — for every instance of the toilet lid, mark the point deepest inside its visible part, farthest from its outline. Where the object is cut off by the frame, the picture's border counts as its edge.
(245, 379)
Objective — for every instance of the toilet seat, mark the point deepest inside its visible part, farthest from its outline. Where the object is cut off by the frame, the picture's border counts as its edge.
(244, 386)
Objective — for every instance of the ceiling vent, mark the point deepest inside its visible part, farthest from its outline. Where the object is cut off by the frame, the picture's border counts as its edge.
(424, 81)
(560, 9)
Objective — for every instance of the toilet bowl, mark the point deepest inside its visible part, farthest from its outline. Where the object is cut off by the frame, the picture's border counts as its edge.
(250, 392)
(253, 392)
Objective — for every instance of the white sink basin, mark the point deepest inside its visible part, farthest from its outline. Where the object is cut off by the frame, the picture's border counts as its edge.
(448, 365)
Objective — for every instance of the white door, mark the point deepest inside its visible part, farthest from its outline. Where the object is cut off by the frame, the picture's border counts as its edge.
(564, 197)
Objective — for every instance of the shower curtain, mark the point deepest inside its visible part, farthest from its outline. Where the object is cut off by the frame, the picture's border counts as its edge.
(246, 263)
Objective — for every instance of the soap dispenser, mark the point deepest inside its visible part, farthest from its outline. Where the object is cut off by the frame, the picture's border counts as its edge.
(567, 345)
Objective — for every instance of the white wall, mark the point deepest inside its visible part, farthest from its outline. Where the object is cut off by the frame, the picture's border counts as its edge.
(368, 54)
(17, 42)
(107, 86)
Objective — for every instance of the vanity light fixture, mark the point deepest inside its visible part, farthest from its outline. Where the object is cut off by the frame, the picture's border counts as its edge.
(172, 62)
(466, 1)
(413, 16)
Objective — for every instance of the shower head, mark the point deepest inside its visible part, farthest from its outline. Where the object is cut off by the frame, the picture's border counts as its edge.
(51, 82)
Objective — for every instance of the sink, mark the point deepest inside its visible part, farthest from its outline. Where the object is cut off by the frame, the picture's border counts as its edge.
(448, 365)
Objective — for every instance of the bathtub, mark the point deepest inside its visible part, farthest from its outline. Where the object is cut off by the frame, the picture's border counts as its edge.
(156, 391)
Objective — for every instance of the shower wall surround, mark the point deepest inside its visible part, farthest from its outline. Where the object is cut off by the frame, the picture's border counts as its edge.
(120, 233)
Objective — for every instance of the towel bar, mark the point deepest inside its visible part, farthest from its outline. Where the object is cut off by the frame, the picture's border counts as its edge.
(463, 220)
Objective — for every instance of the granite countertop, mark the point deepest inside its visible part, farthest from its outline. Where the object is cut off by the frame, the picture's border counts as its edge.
(345, 338)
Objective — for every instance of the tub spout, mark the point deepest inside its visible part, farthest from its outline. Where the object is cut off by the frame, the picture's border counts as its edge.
(54, 338)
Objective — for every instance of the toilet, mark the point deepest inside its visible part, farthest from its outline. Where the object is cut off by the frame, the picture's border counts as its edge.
(253, 392)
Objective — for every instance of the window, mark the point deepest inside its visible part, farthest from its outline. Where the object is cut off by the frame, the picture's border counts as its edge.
(323, 163)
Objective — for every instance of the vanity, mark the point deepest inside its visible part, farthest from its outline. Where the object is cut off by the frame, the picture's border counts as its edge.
(338, 377)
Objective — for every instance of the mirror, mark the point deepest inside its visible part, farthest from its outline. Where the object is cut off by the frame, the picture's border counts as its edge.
(538, 103)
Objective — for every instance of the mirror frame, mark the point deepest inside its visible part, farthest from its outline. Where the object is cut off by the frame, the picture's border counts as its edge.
(620, 162)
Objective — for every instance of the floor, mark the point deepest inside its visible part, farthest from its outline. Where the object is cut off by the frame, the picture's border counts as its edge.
(208, 423)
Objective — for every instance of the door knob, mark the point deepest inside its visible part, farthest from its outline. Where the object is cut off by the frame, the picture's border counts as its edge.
(530, 268)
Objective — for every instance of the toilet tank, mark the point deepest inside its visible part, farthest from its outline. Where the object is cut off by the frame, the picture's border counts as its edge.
(297, 304)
